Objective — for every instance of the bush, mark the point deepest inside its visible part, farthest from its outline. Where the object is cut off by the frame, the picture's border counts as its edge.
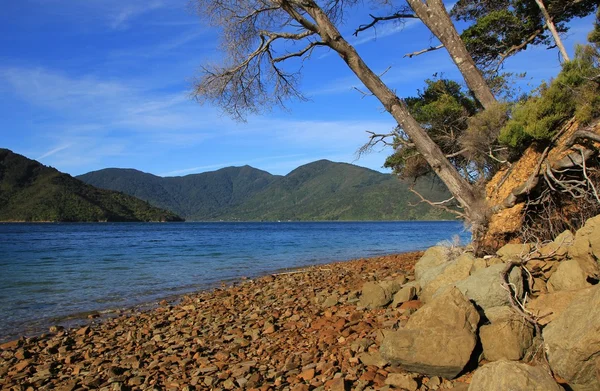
(574, 92)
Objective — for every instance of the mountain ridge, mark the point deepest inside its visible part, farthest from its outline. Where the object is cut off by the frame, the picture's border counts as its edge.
(33, 192)
(320, 190)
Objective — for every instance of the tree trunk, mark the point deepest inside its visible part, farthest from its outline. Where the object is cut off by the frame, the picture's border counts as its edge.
(552, 28)
(434, 15)
(457, 185)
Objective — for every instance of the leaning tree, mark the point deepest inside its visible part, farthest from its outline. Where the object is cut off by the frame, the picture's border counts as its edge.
(257, 36)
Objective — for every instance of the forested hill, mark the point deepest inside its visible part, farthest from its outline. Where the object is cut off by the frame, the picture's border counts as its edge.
(30, 191)
(321, 190)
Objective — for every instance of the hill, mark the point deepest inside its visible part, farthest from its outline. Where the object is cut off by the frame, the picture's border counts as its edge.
(30, 191)
(321, 190)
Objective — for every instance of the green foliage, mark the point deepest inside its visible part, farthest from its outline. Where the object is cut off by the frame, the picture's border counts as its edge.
(443, 109)
(30, 191)
(317, 191)
(502, 28)
(574, 92)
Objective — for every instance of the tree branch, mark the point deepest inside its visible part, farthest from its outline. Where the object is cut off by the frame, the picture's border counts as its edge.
(429, 49)
(439, 205)
(377, 19)
(299, 53)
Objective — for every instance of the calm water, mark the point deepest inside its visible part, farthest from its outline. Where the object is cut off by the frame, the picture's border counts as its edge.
(51, 271)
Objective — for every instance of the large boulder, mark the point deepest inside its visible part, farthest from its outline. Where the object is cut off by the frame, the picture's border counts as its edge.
(547, 307)
(485, 288)
(568, 276)
(586, 247)
(455, 271)
(507, 337)
(431, 264)
(438, 339)
(572, 342)
(513, 376)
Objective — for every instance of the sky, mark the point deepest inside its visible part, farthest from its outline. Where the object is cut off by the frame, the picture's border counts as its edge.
(87, 85)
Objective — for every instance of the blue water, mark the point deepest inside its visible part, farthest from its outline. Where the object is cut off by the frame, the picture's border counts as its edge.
(51, 271)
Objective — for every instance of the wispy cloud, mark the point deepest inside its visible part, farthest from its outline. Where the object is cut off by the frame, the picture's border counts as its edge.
(121, 18)
(53, 151)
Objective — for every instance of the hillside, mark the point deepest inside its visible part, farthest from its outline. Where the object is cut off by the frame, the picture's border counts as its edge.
(321, 190)
(203, 196)
(30, 191)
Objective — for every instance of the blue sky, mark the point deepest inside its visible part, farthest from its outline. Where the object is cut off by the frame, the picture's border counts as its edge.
(86, 85)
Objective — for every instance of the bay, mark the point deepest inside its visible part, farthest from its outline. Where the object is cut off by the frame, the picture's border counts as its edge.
(52, 272)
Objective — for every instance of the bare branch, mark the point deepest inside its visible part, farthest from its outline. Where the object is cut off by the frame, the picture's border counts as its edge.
(377, 19)
(299, 53)
(515, 48)
(439, 205)
(429, 49)
(455, 154)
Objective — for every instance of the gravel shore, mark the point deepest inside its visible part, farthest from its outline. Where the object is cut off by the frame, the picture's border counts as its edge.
(301, 330)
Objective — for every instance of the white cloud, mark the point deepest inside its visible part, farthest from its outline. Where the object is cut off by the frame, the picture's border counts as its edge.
(120, 19)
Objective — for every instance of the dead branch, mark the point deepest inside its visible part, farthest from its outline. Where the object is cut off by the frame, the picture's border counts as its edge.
(515, 303)
(439, 204)
(377, 19)
(427, 50)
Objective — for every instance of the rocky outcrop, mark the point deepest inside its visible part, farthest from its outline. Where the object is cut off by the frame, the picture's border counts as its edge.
(513, 376)
(572, 342)
(438, 339)
(485, 288)
(507, 337)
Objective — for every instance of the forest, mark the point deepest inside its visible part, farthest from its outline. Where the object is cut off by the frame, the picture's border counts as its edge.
(520, 167)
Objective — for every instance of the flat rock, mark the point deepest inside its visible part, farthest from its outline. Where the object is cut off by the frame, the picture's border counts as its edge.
(513, 376)
(572, 342)
(404, 381)
(438, 339)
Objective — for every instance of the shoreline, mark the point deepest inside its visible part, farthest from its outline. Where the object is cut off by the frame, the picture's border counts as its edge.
(88, 317)
(298, 329)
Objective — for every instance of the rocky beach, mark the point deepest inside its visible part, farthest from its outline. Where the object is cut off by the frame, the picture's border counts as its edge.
(525, 318)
